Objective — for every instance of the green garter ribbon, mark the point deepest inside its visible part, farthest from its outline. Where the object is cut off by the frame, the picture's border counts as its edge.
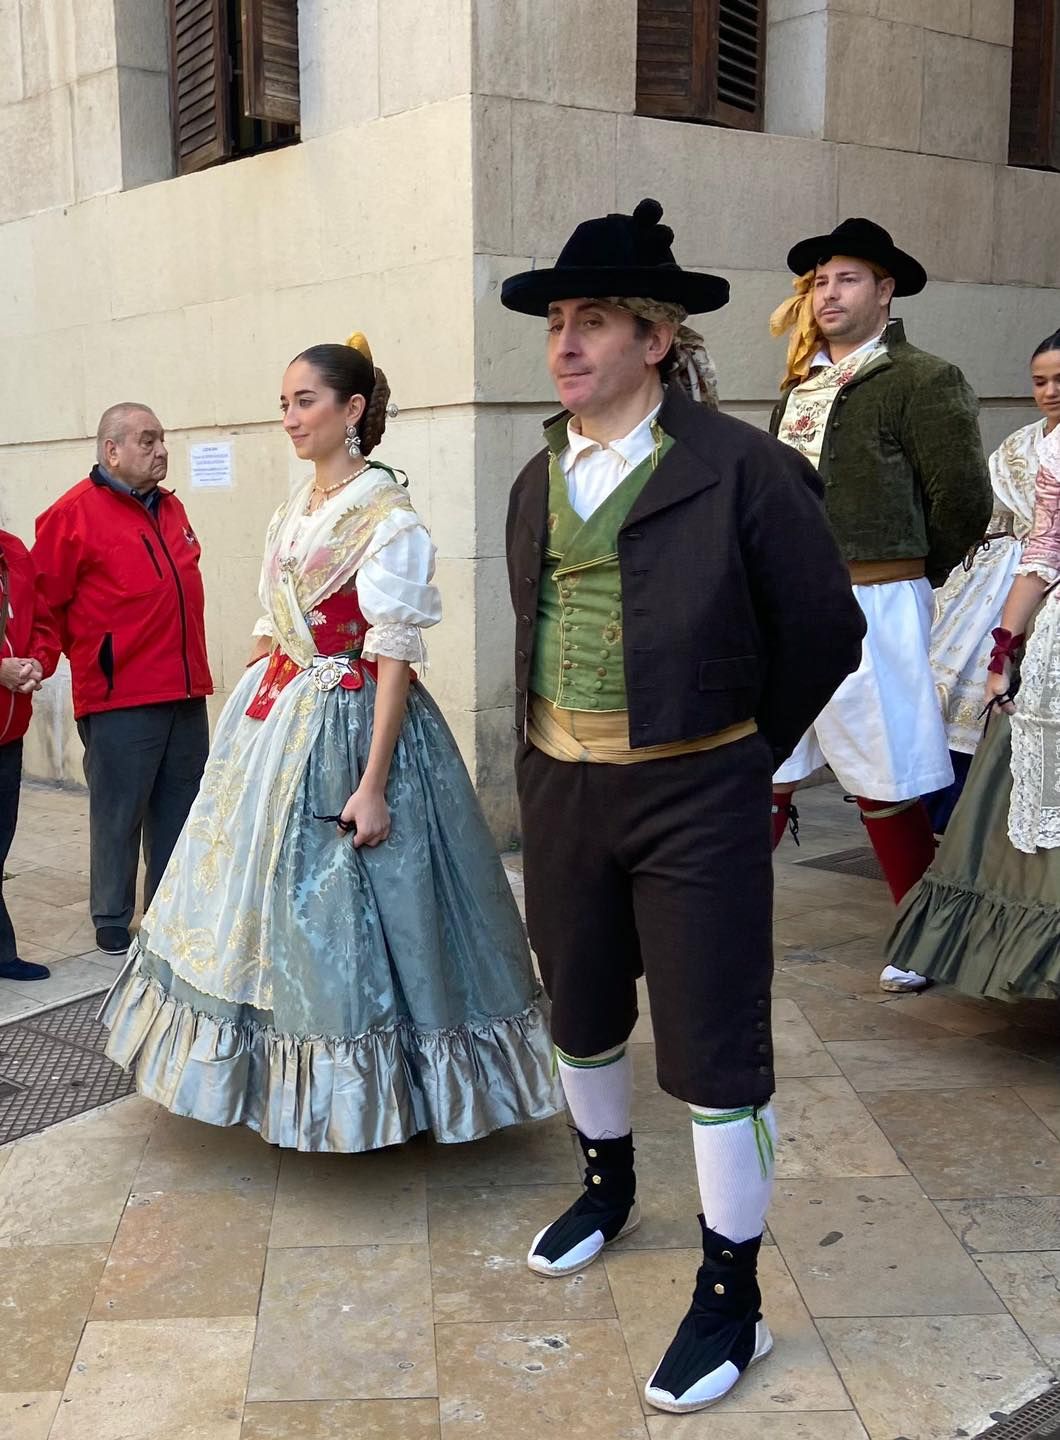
(763, 1139)
(575, 1064)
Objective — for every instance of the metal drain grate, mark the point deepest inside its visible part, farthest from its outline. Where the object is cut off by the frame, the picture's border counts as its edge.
(1038, 1420)
(861, 862)
(52, 1066)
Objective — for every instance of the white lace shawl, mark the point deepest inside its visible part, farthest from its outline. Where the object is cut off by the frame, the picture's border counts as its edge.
(370, 533)
(1034, 810)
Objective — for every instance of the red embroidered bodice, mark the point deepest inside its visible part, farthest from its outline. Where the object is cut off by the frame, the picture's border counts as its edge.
(339, 627)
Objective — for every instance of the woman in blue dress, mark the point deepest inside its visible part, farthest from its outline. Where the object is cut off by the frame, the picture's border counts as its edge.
(334, 957)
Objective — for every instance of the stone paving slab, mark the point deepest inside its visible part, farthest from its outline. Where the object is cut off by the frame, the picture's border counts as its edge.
(162, 1278)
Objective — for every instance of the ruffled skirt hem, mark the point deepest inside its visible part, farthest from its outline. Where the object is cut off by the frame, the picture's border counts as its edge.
(984, 944)
(327, 1093)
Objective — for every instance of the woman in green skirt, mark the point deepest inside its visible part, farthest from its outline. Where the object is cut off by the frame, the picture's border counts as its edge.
(986, 916)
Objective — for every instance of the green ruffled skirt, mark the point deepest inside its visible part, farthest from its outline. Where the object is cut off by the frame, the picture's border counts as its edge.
(986, 916)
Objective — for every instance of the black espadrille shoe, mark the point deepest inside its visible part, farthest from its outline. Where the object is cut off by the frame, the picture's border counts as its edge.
(722, 1334)
(607, 1210)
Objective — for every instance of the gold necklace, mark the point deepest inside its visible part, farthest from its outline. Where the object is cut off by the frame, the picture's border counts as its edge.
(331, 489)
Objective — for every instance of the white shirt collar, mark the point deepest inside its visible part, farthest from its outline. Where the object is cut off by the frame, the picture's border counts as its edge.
(823, 358)
(631, 449)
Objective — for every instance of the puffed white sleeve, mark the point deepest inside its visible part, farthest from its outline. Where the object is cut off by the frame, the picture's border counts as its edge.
(397, 597)
(263, 626)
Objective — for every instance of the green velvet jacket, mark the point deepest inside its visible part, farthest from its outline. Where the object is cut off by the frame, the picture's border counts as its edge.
(902, 461)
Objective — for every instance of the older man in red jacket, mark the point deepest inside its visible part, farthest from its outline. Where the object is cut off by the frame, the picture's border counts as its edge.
(120, 567)
(29, 650)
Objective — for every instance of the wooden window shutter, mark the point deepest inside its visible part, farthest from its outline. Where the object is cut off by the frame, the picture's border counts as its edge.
(270, 60)
(1034, 117)
(199, 81)
(702, 60)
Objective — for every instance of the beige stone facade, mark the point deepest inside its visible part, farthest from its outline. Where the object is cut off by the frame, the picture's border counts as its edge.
(446, 143)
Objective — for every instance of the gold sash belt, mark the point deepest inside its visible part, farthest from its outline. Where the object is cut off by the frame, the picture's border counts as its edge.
(603, 738)
(885, 572)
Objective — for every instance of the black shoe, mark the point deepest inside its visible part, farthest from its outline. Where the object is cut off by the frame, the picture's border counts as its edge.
(607, 1210)
(22, 970)
(722, 1334)
(112, 940)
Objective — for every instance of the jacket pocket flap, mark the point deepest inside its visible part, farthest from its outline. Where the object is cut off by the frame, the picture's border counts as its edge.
(735, 672)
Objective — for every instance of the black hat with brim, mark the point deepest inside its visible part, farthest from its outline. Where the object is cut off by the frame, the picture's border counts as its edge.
(626, 256)
(861, 239)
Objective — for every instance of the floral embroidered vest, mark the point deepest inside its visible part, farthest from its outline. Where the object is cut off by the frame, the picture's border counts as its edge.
(805, 418)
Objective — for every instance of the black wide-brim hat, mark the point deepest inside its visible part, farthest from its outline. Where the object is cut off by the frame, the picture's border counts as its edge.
(861, 239)
(626, 256)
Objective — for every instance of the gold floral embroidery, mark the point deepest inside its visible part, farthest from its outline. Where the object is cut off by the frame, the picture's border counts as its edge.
(222, 788)
(349, 535)
(212, 920)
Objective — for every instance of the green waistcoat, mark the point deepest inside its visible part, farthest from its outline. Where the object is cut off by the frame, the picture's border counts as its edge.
(577, 660)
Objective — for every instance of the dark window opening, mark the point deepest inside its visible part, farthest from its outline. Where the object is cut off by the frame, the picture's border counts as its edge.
(233, 78)
(702, 60)
(1034, 115)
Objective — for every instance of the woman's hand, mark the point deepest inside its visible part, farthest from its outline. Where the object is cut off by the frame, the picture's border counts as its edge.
(996, 686)
(367, 811)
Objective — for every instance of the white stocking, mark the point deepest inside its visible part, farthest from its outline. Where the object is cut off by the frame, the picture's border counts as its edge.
(734, 1163)
(599, 1091)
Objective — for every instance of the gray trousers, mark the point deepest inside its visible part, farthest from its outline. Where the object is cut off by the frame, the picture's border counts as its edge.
(143, 766)
(10, 783)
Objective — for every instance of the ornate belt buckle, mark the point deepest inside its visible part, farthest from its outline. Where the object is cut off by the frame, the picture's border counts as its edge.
(328, 673)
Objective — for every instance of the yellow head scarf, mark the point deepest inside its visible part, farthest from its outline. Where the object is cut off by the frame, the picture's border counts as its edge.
(796, 314)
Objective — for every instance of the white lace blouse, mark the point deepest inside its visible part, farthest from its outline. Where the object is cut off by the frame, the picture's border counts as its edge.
(397, 598)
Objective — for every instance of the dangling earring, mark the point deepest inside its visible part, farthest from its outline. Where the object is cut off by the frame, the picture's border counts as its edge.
(353, 442)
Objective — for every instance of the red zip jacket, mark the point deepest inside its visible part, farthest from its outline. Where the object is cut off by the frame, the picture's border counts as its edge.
(127, 592)
(31, 633)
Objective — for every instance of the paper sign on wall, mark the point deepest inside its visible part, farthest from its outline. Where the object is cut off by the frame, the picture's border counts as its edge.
(211, 466)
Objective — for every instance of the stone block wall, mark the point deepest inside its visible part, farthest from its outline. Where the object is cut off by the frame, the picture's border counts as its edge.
(84, 100)
(894, 74)
(446, 144)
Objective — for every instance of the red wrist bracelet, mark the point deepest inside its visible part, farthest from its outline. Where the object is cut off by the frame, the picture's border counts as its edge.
(1006, 647)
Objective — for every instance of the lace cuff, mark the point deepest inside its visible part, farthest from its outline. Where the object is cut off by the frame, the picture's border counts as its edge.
(1049, 573)
(263, 628)
(396, 641)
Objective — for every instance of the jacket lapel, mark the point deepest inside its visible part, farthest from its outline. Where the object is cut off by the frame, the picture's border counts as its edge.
(532, 516)
(684, 470)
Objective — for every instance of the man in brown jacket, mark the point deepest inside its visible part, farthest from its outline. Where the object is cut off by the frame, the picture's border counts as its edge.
(682, 613)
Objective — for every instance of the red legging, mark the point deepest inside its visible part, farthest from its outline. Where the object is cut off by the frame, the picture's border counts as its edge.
(902, 838)
(784, 814)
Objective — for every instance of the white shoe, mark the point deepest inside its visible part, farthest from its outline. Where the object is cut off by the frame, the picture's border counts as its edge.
(902, 981)
(582, 1253)
(711, 1387)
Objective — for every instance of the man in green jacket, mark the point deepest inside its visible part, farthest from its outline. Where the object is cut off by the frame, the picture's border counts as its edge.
(893, 433)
